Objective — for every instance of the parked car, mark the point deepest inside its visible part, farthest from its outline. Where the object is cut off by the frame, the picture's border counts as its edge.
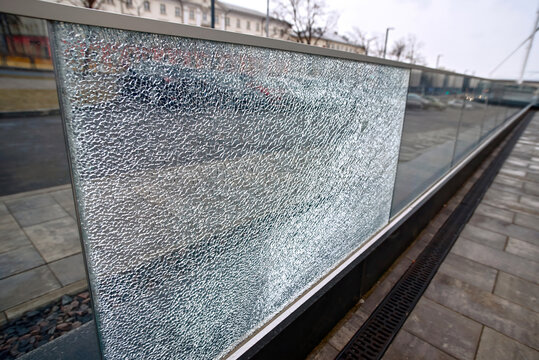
(175, 87)
(459, 103)
(415, 101)
(436, 103)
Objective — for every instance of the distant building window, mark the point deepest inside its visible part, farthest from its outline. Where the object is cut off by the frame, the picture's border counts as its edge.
(192, 14)
(274, 31)
(257, 26)
(248, 25)
(238, 23)
(204, 16)
(227, 21)
(216, 19)
(163, 9)
(129, 3)
(177, 12)
(110, 1)
(146, 6)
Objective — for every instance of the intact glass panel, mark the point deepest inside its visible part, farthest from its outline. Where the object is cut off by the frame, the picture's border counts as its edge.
(473, 113)
(216, 183)
(433, 111)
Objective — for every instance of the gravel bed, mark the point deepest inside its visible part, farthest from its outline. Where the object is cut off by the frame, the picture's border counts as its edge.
(40, 326)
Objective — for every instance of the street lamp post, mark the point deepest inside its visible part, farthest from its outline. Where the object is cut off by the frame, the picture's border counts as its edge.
(213, 14)
(438, 60)
(385, 43)
(267, 19)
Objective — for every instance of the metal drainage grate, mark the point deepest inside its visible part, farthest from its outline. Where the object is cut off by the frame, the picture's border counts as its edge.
(374, 337)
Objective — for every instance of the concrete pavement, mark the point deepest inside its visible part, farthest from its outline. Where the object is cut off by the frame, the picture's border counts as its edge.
(40, 251)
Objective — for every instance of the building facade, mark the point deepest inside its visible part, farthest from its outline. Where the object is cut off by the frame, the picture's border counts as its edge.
(228, 17)
(198, 13)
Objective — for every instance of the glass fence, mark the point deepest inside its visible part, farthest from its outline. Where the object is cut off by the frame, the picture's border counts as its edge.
(447, 116)
(216, 182)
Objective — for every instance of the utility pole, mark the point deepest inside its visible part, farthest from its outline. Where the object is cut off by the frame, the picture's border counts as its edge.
(267, 19)
(438, 60)
(528, 49)
(213, 14)
(385, 43)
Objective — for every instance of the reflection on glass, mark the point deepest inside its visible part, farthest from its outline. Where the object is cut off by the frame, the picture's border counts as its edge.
(447, 115)
(218, 182)
(433, 111)
(473, 113)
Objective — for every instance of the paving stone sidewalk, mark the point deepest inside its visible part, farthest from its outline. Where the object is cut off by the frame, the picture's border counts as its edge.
(483, 302)
(40, 251)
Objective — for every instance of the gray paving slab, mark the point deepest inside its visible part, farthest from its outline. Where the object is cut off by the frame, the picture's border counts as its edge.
(22, 287)
(3, 209)
(508, 181)
(39, 215)
(532, 176)
(30, 202)
(55, 239)
(12, 237)
(509, 171)
(509, 203)
(18, 260)
(497, 259)
(500, 196)
(406, 346)
(469, 271)
(531, 188)
(507, 188)
(65, 199)
(485, 237)
(69, 269)
(530, 200)
(516, 163)
(63, 196)
(326, 352)
(506, 228)
(342, 336)
(523, 249)
(518, 290)
(506, 317)
(526, 220)
(6, 218)
(496, 346)
(445, 329)
(494, 212)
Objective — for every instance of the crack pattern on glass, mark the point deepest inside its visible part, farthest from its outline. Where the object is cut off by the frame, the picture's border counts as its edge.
(215, 182)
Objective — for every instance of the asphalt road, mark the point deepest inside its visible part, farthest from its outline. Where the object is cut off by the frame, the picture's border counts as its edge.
(32, 154)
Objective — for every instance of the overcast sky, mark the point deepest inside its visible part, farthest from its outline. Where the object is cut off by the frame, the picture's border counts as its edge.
(473, 36)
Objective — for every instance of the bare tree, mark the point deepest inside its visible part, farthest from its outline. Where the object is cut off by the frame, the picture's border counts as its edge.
(363, 39)
(90, 4)
(413, 46)
(310, 19)
(399, 48)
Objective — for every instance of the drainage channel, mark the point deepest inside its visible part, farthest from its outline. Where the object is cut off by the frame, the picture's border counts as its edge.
(374, 337)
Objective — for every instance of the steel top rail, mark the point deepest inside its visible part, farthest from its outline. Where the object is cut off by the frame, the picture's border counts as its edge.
(73, 14)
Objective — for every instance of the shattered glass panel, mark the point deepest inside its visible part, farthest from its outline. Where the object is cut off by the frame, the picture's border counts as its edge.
(216, 183)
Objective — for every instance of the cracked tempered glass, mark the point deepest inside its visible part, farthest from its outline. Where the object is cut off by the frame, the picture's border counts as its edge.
(216, 183)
